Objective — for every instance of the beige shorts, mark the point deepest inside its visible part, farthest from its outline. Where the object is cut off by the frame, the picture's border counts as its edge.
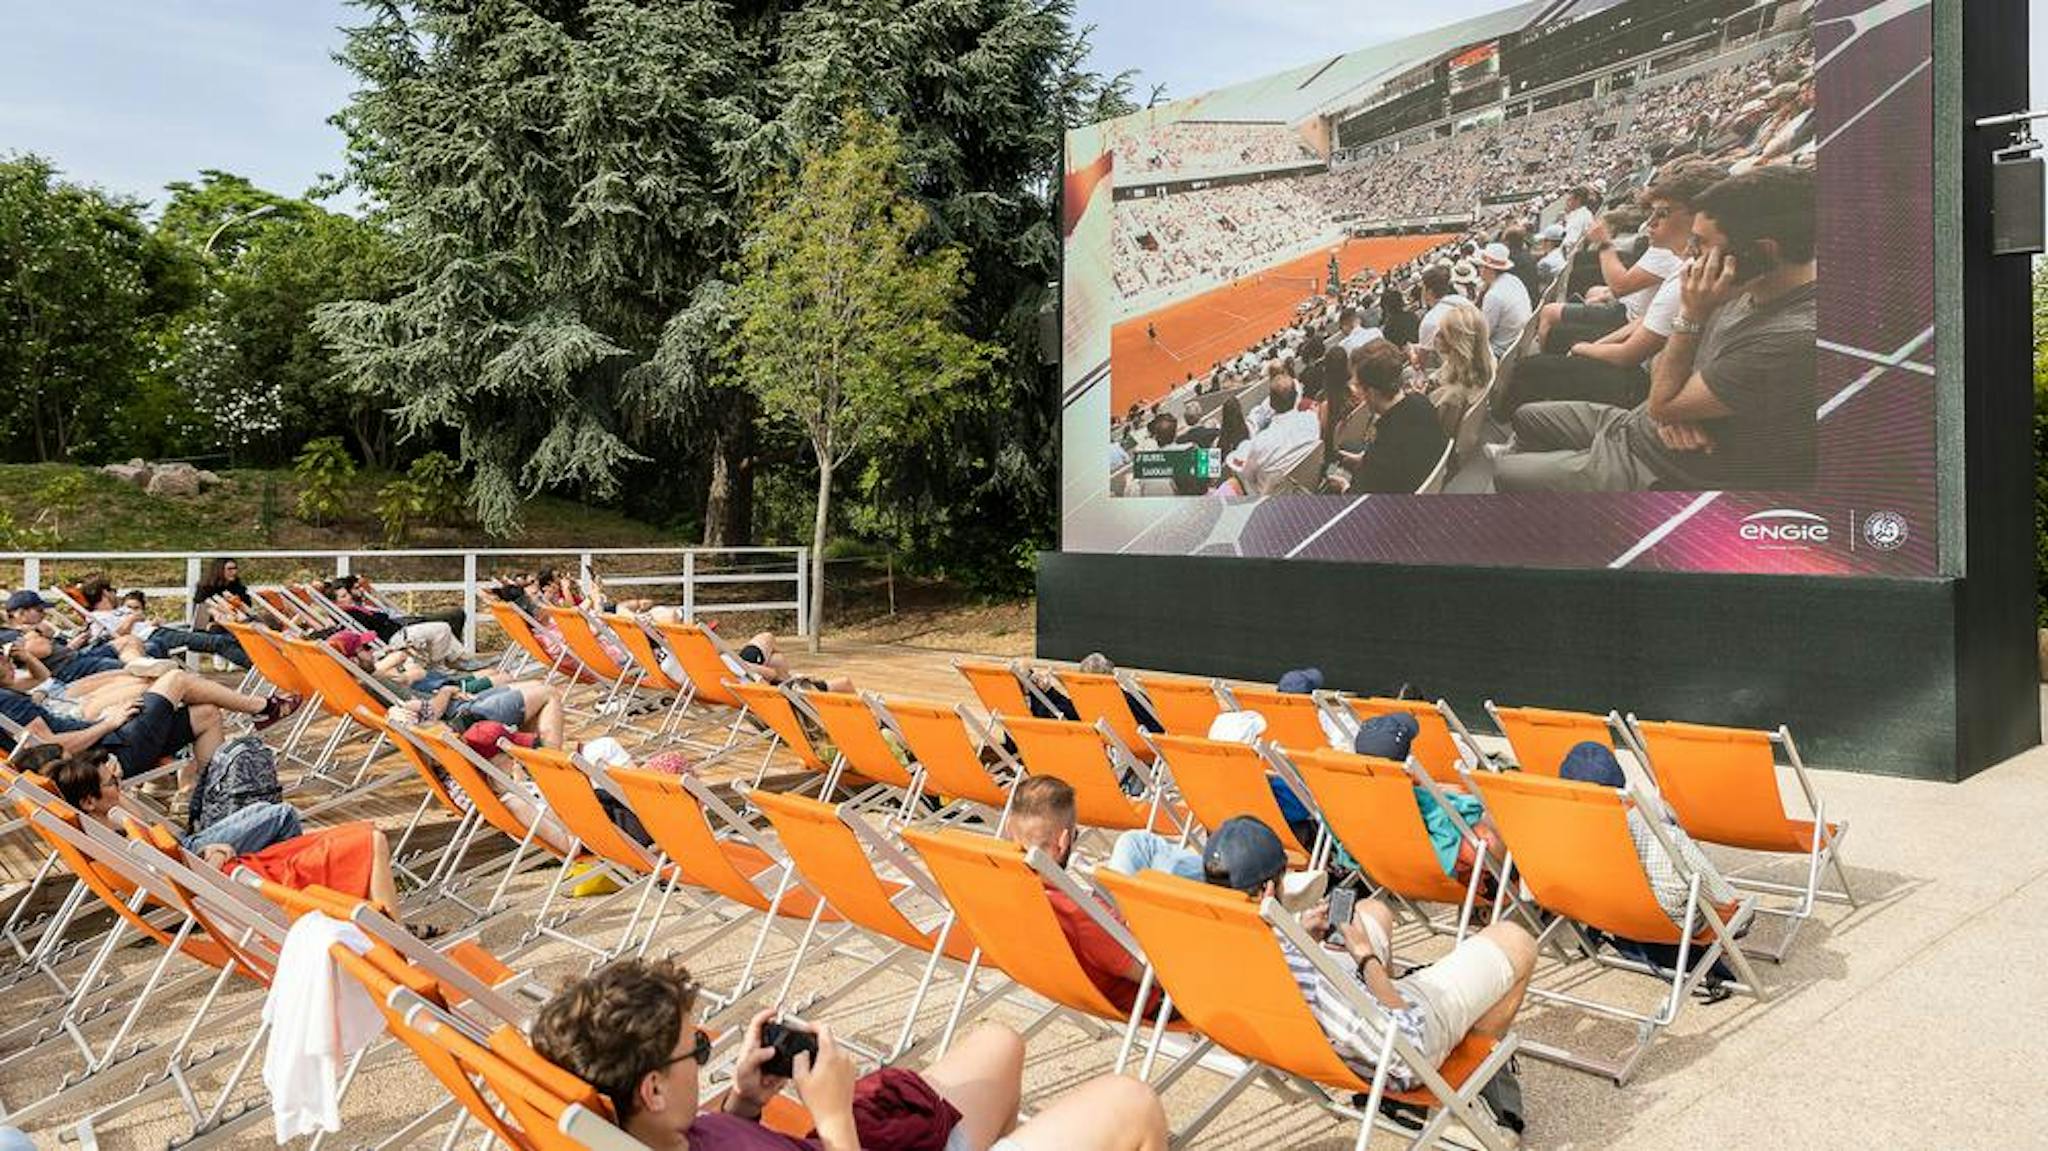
(1456, 990)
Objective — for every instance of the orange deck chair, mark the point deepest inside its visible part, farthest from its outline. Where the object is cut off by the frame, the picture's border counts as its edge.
(523, 631)
(647, 652)
(857, 732)
(1184, 706)
(1723, 785)
(1571, 846)
(1101, 698)
(341, 688)
(1292, 721)
(948, 745)
(484, 786)
(1089, 759)
(1001, 687)
(677, 811)
(1540, 738)
(571, 786)
(1220, 779)
(830, 847)
(1217, 956)
(702, 658)
(272, 663)
(581, 638)
(1369, 806)
(776, 708)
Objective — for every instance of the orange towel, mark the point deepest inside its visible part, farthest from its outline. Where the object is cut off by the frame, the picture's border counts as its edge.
(337, 858)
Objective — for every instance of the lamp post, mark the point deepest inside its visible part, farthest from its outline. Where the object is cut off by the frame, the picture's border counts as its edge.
(231, 221)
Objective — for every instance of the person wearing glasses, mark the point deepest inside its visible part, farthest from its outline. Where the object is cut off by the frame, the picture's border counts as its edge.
(627, 1030)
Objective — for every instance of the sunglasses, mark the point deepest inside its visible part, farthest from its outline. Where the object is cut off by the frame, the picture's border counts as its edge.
(700, 1051)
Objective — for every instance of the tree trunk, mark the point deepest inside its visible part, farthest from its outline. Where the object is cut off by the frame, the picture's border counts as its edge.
(729, 506)
(818, 550)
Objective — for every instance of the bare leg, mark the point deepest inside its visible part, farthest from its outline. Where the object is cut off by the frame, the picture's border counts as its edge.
(1110, 1113)
(206, 739)
(110, 697)
(544, 712)
(841, 685)
(383, 888)
(183, 689)
(983, 1076)
(1520, 947)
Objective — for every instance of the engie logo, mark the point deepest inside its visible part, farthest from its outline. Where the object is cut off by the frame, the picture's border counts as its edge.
(1783, 527)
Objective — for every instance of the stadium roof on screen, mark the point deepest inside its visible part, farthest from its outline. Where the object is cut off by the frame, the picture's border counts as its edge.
(1331, 84)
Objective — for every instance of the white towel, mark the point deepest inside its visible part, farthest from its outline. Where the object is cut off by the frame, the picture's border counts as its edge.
(318, 1017)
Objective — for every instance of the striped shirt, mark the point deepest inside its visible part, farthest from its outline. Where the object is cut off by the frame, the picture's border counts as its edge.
(1353, 1020)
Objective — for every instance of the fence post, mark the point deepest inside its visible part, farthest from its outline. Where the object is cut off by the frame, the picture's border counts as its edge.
(803, 592)
(192, 589)
(583, 562)
(891, 559)
(469, 602)
(32, 573)
(689, 585)
(341, 564)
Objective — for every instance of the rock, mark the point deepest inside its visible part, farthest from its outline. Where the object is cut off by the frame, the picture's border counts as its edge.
(175, 480)
(128, 473)
(209, 480)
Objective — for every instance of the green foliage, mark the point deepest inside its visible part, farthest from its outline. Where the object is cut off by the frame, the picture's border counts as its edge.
(400, 504)
(225, 209)
(438, 480)
(324, 470)
(31, 537)
(84, 285)
(845, 330)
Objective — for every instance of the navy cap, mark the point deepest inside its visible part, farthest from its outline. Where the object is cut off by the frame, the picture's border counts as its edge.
(26, 599)
(1301, 681)
(1387, 736)
(1243, 855)
(1591, 762)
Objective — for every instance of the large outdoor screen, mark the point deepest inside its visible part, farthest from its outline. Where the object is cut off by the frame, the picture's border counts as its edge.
(1580, 283)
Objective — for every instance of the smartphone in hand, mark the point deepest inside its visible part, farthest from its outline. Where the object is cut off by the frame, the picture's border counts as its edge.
(1342, 902)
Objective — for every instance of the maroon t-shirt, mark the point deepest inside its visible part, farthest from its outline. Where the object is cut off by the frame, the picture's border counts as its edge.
(893, 1110)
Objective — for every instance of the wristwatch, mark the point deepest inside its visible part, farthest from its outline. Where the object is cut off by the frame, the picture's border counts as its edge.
(1686, 326)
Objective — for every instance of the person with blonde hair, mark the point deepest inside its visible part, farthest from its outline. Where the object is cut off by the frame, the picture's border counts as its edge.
(1465, 365)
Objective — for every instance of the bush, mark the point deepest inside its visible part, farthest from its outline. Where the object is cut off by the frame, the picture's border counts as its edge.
(400, 504)
(438, 480)
(324, 468)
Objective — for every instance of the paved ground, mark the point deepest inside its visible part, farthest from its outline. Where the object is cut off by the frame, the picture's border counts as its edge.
(1914, 1020)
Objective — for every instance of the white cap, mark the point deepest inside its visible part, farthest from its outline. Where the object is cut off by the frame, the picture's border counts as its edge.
(1237, 727)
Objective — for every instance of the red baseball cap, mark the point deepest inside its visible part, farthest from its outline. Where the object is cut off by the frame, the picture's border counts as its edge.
(483, 737)
(348, 643)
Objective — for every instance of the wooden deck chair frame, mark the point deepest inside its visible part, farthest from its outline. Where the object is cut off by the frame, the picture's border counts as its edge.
(1182, 706)
(1544, 755)
(1746, 819)
(1598, 844)
(1160, 907)
(837, 841)
(948, 744)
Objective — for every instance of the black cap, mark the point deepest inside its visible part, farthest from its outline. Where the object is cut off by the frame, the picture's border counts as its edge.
(1243, 855)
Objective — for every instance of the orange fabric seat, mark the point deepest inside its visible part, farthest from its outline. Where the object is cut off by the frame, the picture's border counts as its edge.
(1540, 738)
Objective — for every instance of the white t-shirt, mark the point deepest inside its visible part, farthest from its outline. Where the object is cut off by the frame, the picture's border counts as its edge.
(108, 623)
(1507, 309)
(1360, 336)
(1263, 462)
(1576, 223)
(1664, 264)
(1434, 319)
(1662, 314)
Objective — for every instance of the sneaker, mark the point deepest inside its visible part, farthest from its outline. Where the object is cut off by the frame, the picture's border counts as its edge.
(152, 668)
(278, 706)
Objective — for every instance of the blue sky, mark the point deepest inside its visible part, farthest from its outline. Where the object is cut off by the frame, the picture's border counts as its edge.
(131, 94)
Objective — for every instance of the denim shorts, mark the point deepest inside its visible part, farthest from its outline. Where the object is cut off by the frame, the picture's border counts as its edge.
(503, 704)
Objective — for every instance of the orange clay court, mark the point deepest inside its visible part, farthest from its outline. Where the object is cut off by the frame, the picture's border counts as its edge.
(1222, 322)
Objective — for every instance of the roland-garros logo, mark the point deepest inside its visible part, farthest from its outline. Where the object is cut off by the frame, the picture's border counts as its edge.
(1785, 527)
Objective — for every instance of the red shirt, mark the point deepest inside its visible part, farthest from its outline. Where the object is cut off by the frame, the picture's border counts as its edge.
(1101, 956)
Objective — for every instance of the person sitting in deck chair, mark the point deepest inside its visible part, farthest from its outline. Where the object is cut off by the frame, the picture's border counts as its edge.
(1094, 663)
(627, 1031)
(128, 615)
(35, 643)
(1477, 987)
(760, 657)
(267, 838)
(435, 638)
(1042, 816)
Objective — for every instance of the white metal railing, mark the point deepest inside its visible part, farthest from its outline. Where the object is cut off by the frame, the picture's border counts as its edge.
(695, 568)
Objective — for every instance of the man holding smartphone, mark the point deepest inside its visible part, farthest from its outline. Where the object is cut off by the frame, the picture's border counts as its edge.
(627, 1030)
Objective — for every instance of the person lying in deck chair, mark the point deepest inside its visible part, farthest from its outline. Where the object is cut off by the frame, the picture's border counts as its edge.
(128, 615)
(168, 714)
(760, 656)
(266, 838)
(1389, 736)
(627, 1031)
(1477, 987)
(1094, 663)
(35, 643)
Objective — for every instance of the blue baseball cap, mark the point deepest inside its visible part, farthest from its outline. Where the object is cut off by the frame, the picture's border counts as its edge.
(1243, 855)
(1301, 681)
(1592, 762)
(25, 599)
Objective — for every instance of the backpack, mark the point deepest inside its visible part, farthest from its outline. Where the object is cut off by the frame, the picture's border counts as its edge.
(242, 772)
